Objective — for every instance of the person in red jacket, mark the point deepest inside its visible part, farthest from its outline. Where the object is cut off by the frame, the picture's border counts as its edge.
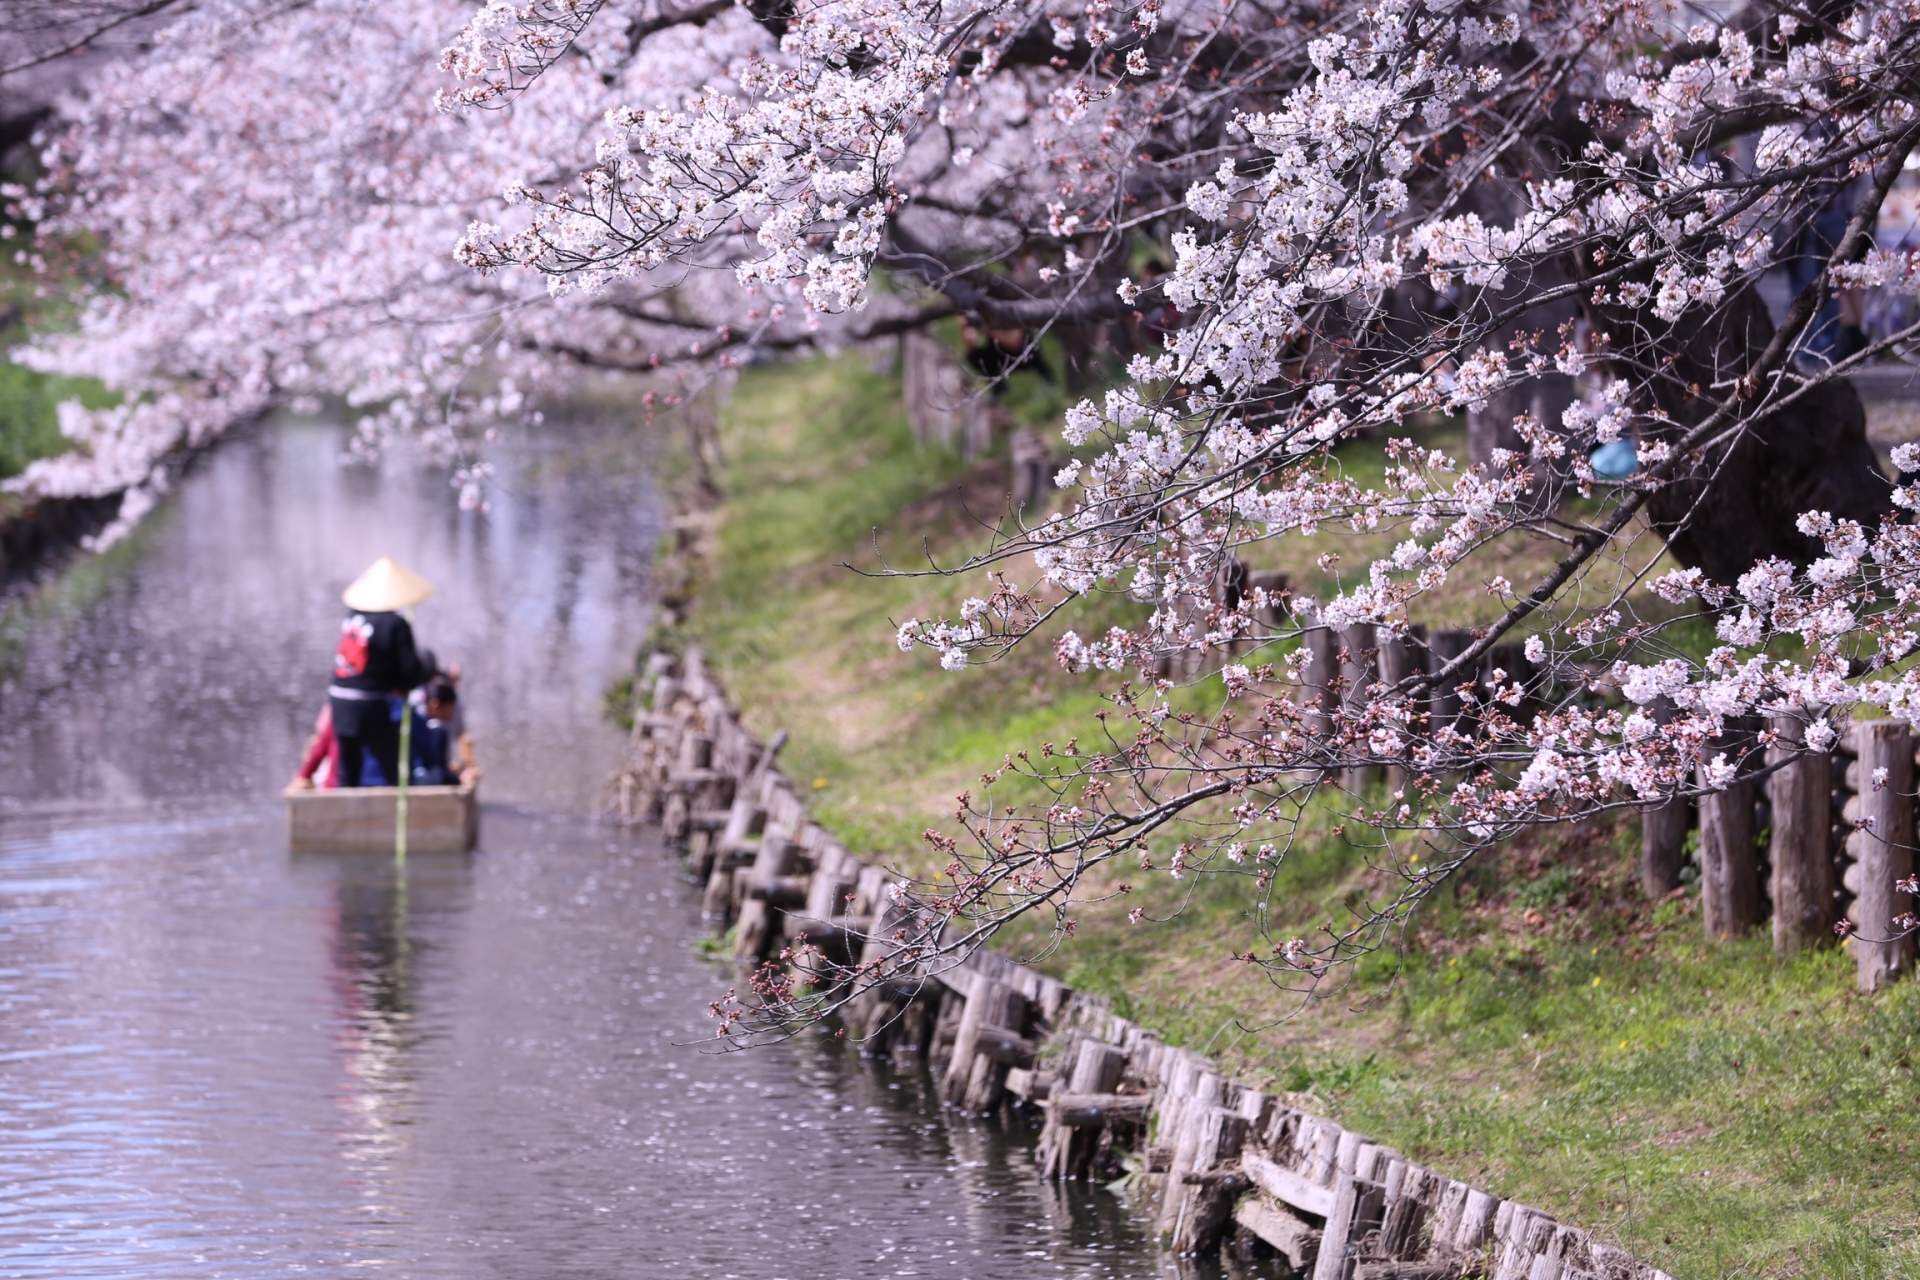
(376, 660)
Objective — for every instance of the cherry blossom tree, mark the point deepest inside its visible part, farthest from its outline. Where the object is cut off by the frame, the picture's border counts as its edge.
(1553, 220)
(264, 203)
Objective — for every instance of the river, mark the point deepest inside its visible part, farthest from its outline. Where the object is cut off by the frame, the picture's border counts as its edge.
(221, 1059)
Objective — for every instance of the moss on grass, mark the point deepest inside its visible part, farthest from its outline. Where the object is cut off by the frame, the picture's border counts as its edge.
(1545, 1031)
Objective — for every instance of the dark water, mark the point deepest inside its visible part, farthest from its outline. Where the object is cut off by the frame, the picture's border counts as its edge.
(219, 1059)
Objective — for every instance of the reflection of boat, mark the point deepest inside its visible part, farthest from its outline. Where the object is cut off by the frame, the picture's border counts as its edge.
(361, 819)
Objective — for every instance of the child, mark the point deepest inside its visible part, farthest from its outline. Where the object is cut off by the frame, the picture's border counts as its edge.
(433, 737)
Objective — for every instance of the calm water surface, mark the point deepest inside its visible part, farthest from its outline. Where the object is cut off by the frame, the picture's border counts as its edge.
(219, 1059)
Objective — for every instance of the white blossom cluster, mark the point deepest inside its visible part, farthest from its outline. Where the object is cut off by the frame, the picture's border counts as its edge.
(274, 199)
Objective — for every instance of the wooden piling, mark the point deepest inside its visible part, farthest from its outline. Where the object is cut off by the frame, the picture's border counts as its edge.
(1358, 667)
(1268, 618)
(1663, 830)
(1800, 790)
(1443, 699)
(1402, 657)
(1031, 458)
(1881, 843)
(1334, 1203)
(1203, 1197)
(974, 1080)
(1317, 682)
(1067, 1148)
(757, 926)
(1729, 863)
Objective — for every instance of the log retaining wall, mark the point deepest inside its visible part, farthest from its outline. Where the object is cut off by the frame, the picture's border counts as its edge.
(1207, 1158)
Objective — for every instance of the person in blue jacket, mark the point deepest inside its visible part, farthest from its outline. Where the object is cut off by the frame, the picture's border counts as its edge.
(433, 741)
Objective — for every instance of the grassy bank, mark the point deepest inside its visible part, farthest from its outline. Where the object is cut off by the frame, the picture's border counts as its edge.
(29, 401)
(1546, 1032)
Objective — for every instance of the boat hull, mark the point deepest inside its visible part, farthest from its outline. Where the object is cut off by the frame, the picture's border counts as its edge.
(362, 819)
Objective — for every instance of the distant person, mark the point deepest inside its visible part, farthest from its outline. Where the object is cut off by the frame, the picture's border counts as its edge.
(376, 660)
(995, 354)
(323, 753)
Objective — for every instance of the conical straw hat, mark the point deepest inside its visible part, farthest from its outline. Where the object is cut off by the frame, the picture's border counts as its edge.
(386, 587)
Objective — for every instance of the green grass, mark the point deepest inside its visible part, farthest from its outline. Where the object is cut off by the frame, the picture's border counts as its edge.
(29, 425)
(1545, 1032)
(818, 459)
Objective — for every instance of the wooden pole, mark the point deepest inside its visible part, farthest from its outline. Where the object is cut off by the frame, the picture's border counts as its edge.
(1402, 656)
(1356, 674)
(1663, 832)
(406, 773)
(1730, 894)
(1882, 848)
(1444, 700)
(1801, 792)
(1316, 685)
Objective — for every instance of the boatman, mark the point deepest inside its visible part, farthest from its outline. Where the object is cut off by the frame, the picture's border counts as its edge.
(376, 660)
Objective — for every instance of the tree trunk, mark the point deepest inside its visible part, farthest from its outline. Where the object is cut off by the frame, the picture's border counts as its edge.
(1738, 503)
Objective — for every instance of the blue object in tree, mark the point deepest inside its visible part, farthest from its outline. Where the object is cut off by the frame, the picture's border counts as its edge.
(1615, 461)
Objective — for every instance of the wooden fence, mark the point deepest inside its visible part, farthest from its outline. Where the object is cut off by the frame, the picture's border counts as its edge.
(1837, 845)
(1840, 839)
(1207, 1157)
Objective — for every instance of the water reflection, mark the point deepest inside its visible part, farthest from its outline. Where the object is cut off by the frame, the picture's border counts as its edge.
(223, 1060)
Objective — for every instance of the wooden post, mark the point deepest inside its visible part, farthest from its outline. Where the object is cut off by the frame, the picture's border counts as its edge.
(1267, 620)
(974, 1080)
(1032, 464)
(1511, 660)
(1097, 1067)
(1230, 593)
(717, 903)
(1402, 657)
(1067, 1151)
(1882, 848)
(1335, 1248)
(1476, 1220)
(757, 925)
(1316, 683)
(1801, 791)
(1729, 863)
(1205, 1208)
(406, 776)
(1663, 831)
(1444, 699)
(1192, 1088)
(1357, 667)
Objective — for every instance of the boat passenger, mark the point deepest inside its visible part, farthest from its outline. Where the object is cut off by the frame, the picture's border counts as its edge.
(321, 764)
(433, 763)
(376, 659)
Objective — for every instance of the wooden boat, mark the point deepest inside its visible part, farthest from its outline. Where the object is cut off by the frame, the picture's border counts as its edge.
(361, 819)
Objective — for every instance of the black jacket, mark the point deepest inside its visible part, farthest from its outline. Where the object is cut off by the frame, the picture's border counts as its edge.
(376, 653)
